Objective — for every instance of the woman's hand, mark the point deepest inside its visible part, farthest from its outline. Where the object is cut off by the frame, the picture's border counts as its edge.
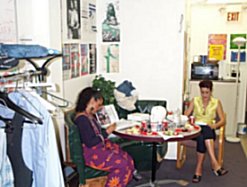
(212, 126)
(111, 128)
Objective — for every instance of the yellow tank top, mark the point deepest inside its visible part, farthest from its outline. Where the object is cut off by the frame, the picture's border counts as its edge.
(209, 114)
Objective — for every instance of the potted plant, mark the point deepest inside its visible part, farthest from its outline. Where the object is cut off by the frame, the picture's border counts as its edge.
(106, 88)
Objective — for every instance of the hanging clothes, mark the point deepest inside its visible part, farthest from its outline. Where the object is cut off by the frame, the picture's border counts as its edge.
(22, 174)
(6, 172)
(39, 147)
(25, 51)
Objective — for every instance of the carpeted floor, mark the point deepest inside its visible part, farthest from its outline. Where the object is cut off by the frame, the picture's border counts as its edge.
(234, 160)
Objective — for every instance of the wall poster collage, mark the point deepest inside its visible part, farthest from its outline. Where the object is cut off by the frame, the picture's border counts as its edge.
(217, 47)
(110, 37)
(79, 42)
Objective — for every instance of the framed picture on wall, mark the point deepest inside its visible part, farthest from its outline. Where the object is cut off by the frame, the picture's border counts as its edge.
(73, 19)
(110, 22)
(234, 46)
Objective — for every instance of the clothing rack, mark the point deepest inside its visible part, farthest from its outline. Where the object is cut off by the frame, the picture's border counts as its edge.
(43, 68)
(26, 77)
(40, 72)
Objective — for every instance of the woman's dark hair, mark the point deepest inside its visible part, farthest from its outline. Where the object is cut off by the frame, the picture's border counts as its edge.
(84, 97)
(206, 84)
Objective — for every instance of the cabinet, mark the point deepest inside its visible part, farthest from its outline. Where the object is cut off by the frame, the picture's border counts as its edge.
(226, 92)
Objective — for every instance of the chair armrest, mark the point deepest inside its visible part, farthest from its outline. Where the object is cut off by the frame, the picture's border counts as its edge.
(221, 142)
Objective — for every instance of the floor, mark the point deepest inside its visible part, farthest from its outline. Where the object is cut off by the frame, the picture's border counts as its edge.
(243, 139)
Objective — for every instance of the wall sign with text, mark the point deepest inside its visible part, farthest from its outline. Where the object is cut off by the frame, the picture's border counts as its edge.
(232, 16)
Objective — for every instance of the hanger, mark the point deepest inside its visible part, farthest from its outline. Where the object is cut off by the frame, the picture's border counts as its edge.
(66, 102)
(7, 102)
(48, 105)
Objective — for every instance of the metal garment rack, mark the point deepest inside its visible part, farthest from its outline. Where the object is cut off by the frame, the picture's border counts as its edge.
(43, 68)
(40, 71)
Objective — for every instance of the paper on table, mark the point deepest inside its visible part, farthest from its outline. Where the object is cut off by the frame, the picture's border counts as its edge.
(166, 137)
(124, 124)
(201, 123)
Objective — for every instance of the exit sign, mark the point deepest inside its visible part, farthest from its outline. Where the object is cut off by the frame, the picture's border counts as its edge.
(232, 16)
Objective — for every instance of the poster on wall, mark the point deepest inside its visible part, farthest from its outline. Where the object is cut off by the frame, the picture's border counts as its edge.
(84, 59)
(88, 19)
(110, 23)
(234, 46)
(110, 58)
(66, 61)
(8, 32)
(92, 58)
(234, 56)
(217, 46)
(75, 60)
(73, 19)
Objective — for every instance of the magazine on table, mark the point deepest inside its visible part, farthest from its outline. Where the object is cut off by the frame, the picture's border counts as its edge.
(107, 115)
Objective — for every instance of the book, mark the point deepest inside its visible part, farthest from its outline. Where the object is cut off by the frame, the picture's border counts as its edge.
(107, 115)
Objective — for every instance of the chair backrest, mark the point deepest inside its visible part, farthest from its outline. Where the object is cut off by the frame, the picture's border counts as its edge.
(145, 106)
(74, 148)
(142, 106)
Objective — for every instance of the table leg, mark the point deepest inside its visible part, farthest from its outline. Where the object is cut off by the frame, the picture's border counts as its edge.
(154, 162)
(153, 182)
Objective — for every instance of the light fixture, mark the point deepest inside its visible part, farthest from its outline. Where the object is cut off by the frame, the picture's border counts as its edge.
(222, 10)
(239, 41)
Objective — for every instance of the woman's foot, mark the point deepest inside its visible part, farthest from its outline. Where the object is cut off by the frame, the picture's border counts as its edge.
(220, 172)
(196, 178)
(137, 176)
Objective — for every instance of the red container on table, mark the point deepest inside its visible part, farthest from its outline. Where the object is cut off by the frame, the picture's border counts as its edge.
(192, 120)
(165, 125)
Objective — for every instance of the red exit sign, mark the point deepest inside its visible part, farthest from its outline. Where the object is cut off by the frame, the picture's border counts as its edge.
(232, 16)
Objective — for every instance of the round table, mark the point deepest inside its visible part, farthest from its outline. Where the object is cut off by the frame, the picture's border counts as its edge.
(155, 139)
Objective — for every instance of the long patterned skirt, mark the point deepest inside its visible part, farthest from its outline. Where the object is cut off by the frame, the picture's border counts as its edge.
(110, 157)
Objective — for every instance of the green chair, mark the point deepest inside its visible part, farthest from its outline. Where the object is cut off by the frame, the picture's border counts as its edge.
(140, 151)
(74, 151)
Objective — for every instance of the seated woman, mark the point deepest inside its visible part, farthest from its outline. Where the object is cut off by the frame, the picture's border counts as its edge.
(204, 109)
(99, 152)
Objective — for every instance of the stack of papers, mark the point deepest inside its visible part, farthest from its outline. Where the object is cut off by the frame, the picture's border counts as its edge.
(138, 117)
(124, 124)
(200, 123)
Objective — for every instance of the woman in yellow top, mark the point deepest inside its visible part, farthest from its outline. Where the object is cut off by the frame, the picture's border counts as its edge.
(205, 108)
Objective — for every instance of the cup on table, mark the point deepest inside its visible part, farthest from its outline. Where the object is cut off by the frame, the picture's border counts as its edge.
(153, 126)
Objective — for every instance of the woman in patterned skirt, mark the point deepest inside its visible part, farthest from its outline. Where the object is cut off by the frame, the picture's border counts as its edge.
(99, 152)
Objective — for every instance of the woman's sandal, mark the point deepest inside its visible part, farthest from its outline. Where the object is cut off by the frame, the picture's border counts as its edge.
(196, 178)
(220, 172)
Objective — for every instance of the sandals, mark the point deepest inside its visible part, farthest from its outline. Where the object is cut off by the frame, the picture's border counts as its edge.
(196, 178)
(220, 172)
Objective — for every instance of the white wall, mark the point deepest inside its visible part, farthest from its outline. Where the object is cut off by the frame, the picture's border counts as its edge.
(151, 49)
(39, 22)
(208, 19)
